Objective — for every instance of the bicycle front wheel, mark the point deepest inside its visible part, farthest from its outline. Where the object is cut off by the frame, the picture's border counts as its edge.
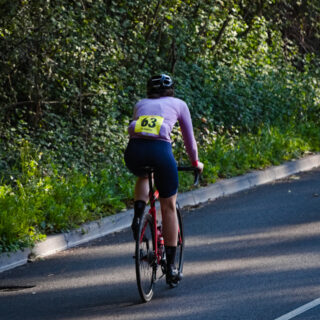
(180, 244)
(146, 264)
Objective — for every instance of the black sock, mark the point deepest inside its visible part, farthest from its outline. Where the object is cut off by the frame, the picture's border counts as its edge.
(171, 255)
(139, 207)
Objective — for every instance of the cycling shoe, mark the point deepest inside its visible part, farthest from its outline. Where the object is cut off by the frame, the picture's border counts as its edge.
(173, 276)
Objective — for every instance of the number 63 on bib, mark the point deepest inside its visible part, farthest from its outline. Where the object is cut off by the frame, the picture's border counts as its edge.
(149, 124)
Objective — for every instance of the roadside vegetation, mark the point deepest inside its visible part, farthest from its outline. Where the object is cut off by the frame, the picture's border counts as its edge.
(71, 71)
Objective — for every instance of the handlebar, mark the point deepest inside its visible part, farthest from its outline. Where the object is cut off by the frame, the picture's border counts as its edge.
(196, 173)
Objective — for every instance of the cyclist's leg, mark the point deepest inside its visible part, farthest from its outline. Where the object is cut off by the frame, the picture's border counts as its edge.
(141, 191)
(140, 201)
(166, 181)
(170, 234)
(169, 220)
(134, 158)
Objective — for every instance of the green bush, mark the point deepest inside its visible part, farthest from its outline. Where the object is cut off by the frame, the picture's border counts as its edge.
(42, 202)
(70, 73)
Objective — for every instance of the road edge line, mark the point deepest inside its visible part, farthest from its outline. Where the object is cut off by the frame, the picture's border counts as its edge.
(300, 310)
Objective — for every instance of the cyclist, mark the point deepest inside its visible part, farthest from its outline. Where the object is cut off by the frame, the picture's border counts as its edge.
(150, 145)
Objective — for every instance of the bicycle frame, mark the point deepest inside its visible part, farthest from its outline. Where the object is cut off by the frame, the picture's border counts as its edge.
(150, 256)
(153, 196)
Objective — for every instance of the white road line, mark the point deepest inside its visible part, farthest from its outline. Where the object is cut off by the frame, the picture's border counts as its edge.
(300, 310)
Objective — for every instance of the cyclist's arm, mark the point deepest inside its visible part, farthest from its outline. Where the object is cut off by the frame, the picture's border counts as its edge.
(185, 123)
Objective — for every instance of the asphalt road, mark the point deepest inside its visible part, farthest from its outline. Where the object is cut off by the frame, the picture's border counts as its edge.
(253, 255)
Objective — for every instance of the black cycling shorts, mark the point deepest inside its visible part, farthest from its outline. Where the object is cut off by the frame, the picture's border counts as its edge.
(158, 154)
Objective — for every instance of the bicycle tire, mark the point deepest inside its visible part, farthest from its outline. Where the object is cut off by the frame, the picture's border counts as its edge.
(180, 244)
(146, 266)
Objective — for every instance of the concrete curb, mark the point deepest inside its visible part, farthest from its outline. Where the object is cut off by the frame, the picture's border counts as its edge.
(121, 221)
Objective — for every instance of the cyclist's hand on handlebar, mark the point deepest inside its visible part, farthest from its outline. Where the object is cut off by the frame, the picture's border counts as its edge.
(200, 166)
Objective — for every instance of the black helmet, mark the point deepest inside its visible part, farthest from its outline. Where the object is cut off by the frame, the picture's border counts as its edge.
(159, 82)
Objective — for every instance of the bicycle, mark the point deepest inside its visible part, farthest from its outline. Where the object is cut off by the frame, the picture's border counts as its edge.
(150, 251)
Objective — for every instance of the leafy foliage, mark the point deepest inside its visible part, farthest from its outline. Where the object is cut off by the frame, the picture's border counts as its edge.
(72, 70)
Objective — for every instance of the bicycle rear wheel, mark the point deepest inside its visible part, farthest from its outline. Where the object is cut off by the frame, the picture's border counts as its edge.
(146, 264)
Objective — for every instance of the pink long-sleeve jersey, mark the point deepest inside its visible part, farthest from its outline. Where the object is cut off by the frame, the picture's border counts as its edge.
(155, 118)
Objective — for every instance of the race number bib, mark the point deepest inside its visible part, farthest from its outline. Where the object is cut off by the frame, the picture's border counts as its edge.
(149, 124)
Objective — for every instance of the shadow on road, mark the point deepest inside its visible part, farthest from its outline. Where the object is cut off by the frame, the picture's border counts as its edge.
(244, 254)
